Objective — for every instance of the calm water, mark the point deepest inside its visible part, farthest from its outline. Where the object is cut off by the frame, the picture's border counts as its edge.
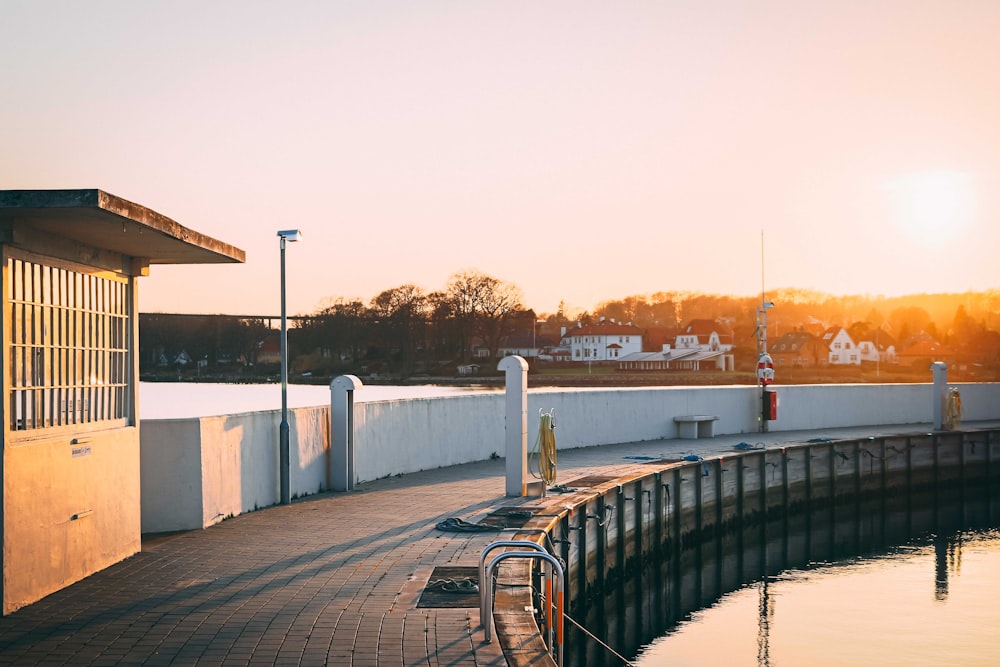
(175, 400)
(910, 579)
(925, 604)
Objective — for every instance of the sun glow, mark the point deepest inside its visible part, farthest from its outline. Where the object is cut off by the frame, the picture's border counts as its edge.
(933, 207)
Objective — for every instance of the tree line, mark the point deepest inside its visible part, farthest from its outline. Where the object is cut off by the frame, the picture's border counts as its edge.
(401, 330)
(405, 330)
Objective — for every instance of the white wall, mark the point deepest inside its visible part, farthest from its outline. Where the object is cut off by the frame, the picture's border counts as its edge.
(197, 472)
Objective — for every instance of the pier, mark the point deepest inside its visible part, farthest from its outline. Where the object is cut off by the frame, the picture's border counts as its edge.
(334, 578)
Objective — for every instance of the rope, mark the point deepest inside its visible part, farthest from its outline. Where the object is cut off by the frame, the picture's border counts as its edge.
(465, 585)
(591, 635)
(746, 446)
(953, 409)
(456, 525)
(544, 451)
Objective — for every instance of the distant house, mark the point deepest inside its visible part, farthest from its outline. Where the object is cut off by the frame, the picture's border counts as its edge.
(813, 326)
(708, 335)
(605, 341)
(842, 351)
(878, 347)
(798, 349)
(701, 345)
(269, 350)
(558, 354)
(924, 350)
(525, 345)
(468, 369)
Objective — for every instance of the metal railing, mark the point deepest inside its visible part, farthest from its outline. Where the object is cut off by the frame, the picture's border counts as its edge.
(554, 590)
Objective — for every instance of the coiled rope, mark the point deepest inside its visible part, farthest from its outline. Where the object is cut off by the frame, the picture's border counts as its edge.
(953, 409)
(544, 451)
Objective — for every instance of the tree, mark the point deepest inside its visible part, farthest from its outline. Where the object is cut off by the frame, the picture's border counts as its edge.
(859, 331)
(399, 315)
(242, 338)
(909, 321)
(482, 305)
(337, 330)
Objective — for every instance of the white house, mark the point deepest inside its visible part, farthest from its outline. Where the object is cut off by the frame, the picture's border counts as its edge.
(880, 347)
(605, 341)
(842, 349)
(701, 345)
(706, 335)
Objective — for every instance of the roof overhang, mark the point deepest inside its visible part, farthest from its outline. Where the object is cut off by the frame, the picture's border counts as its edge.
(97, 219)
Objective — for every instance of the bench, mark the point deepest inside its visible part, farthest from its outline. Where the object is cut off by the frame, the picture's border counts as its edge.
(692, 427)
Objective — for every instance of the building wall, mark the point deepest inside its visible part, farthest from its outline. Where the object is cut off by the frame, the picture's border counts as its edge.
(71, 475)
(843, 351)
(594, 346)
(70, 510)
(233, 460)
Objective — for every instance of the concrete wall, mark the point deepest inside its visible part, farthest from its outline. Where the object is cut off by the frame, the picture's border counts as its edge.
(197, 472)
(77, 510)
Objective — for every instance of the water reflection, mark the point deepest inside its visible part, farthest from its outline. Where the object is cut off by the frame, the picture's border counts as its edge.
(821, 587)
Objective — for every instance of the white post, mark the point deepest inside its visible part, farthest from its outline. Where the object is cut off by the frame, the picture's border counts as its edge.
(516, 423)
(940, 392)
(342, 472)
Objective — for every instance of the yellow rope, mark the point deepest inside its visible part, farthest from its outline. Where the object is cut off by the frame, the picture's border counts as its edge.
(953, 409)
(545, 448)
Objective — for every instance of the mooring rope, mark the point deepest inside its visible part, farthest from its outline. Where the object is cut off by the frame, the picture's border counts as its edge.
(544, 451)
(596, 639)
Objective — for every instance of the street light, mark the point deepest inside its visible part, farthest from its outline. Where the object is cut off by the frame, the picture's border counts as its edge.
(283, 455)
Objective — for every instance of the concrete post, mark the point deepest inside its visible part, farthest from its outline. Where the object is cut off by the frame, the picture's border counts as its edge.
(940, 392)
(341, 472)
(516, 423)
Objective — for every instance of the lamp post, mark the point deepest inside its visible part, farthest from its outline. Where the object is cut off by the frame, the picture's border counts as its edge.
(283, 453)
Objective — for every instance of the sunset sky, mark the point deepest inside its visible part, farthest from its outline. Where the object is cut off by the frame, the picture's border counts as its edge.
(584, 151)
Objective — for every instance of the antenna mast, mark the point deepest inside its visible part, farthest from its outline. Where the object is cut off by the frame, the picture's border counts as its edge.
(765, 365)
(764, 306)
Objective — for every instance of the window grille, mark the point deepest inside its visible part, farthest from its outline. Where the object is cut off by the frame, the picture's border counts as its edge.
(69, 339)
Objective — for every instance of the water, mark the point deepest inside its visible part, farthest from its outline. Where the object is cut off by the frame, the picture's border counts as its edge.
(907, 579)
(177, 400)
(924, 604)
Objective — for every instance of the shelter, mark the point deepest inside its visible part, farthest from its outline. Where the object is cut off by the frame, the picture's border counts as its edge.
(70, 437)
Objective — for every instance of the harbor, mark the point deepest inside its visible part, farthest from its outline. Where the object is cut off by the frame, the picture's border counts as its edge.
(334, 578)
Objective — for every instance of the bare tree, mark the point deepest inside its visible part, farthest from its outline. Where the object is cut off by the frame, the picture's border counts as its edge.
(400, 316)
(338, 329)
(482, 305)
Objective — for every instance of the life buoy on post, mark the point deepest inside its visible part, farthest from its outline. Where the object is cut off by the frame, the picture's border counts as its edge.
(765, 369)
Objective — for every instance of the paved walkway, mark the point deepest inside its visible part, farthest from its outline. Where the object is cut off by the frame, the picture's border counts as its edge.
(330, 579)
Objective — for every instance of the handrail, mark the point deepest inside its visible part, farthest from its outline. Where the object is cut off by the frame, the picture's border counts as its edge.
(482, 571)
(486, 594)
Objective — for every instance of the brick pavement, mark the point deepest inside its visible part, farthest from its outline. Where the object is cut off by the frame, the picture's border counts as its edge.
(330, 579)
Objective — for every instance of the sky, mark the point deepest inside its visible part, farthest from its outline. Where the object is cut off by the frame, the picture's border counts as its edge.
(584, 151)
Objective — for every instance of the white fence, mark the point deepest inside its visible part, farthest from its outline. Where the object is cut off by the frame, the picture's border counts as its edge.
(196, 472)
